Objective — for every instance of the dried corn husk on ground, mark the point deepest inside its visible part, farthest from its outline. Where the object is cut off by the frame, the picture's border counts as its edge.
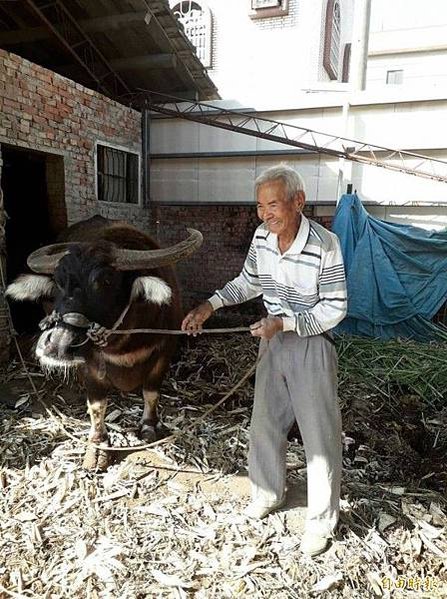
(167, 523)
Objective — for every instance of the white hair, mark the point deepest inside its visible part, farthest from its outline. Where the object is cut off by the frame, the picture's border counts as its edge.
(31, 287)
(152, 290)
(292, 181)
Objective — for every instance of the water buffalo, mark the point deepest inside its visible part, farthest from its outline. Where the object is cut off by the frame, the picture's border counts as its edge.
(107, 274)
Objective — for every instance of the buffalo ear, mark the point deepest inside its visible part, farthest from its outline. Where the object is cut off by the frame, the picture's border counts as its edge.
(152, 290)
(32, 288)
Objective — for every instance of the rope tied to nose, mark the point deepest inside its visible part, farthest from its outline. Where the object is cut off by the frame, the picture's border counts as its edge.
(99, 335)
(94, 332)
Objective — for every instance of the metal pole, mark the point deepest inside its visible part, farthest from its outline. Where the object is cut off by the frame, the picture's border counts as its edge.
(145, 132)
(359, 48)
(344, 167)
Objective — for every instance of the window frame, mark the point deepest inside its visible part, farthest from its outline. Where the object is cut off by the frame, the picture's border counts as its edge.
(346, 62)
(266, 12)
(394, 71)
(328, 38)
(207, 19)
(125, 150)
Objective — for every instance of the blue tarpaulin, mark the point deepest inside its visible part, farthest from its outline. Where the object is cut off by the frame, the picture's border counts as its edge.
(396, 275)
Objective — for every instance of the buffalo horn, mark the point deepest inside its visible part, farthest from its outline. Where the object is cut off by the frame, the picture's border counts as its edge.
(45, 259)
(147, 259)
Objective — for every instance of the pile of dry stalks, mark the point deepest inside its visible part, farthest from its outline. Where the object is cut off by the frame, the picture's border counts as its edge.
(168, 523)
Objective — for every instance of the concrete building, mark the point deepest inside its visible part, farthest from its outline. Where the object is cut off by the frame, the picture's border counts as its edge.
(268, 59)
(266, 52)
(408, 45)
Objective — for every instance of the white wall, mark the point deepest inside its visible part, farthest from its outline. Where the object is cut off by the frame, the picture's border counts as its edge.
(408, 35)
(415, 125)
(426, 69)
(389, 15)
(270, 59)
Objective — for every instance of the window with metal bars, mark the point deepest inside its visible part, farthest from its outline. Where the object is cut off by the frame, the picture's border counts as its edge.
(332, 35)
(197, 23)
(118, 176)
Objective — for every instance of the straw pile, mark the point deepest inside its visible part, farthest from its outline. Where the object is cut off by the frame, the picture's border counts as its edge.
(168, 523)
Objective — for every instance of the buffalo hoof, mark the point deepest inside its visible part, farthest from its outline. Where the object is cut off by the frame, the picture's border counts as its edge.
(149, 433)
(96, 459)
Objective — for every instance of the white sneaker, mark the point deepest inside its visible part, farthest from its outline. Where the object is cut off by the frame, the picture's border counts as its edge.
(313, 544)
(260, 509)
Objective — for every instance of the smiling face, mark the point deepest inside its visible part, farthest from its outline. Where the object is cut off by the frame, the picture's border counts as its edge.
(281, 215)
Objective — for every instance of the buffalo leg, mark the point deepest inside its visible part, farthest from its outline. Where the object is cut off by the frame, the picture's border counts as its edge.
(97, 459)
(150, 429)
(149, 420)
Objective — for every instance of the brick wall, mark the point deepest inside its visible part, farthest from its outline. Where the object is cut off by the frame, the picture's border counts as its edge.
(227, 232)
(43, 111)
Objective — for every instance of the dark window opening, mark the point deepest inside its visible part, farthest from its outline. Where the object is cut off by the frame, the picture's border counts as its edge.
(117, 175)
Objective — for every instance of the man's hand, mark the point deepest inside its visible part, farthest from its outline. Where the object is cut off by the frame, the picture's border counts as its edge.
(193, 321)
(266, 327)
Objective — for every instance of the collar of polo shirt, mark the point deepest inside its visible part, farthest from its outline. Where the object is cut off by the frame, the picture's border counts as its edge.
(299, 241)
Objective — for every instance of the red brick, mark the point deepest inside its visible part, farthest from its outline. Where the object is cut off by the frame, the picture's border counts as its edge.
(40, 120)
(45, 76)
(8, 103)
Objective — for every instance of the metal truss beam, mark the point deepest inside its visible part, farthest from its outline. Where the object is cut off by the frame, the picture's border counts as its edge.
(55, 16)
(300, 137)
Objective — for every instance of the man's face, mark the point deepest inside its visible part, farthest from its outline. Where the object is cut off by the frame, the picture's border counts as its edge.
(282, 216)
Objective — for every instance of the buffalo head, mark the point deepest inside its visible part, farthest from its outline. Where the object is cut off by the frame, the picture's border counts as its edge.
(92, 284)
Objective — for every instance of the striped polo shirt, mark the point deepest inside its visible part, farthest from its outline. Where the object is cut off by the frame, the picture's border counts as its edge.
(305, 286)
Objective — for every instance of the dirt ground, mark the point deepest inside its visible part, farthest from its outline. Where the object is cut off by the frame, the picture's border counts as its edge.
(168, 522)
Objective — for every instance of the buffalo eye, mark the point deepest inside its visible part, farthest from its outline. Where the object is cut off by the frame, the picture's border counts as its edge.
(102, 280)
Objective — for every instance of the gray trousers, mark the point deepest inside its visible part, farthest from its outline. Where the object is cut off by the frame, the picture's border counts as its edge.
(296, 378)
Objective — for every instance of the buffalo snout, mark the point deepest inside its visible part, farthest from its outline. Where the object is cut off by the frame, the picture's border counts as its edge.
(58, 347)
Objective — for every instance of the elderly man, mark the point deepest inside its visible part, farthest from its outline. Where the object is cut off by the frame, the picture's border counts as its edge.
(297, 267)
